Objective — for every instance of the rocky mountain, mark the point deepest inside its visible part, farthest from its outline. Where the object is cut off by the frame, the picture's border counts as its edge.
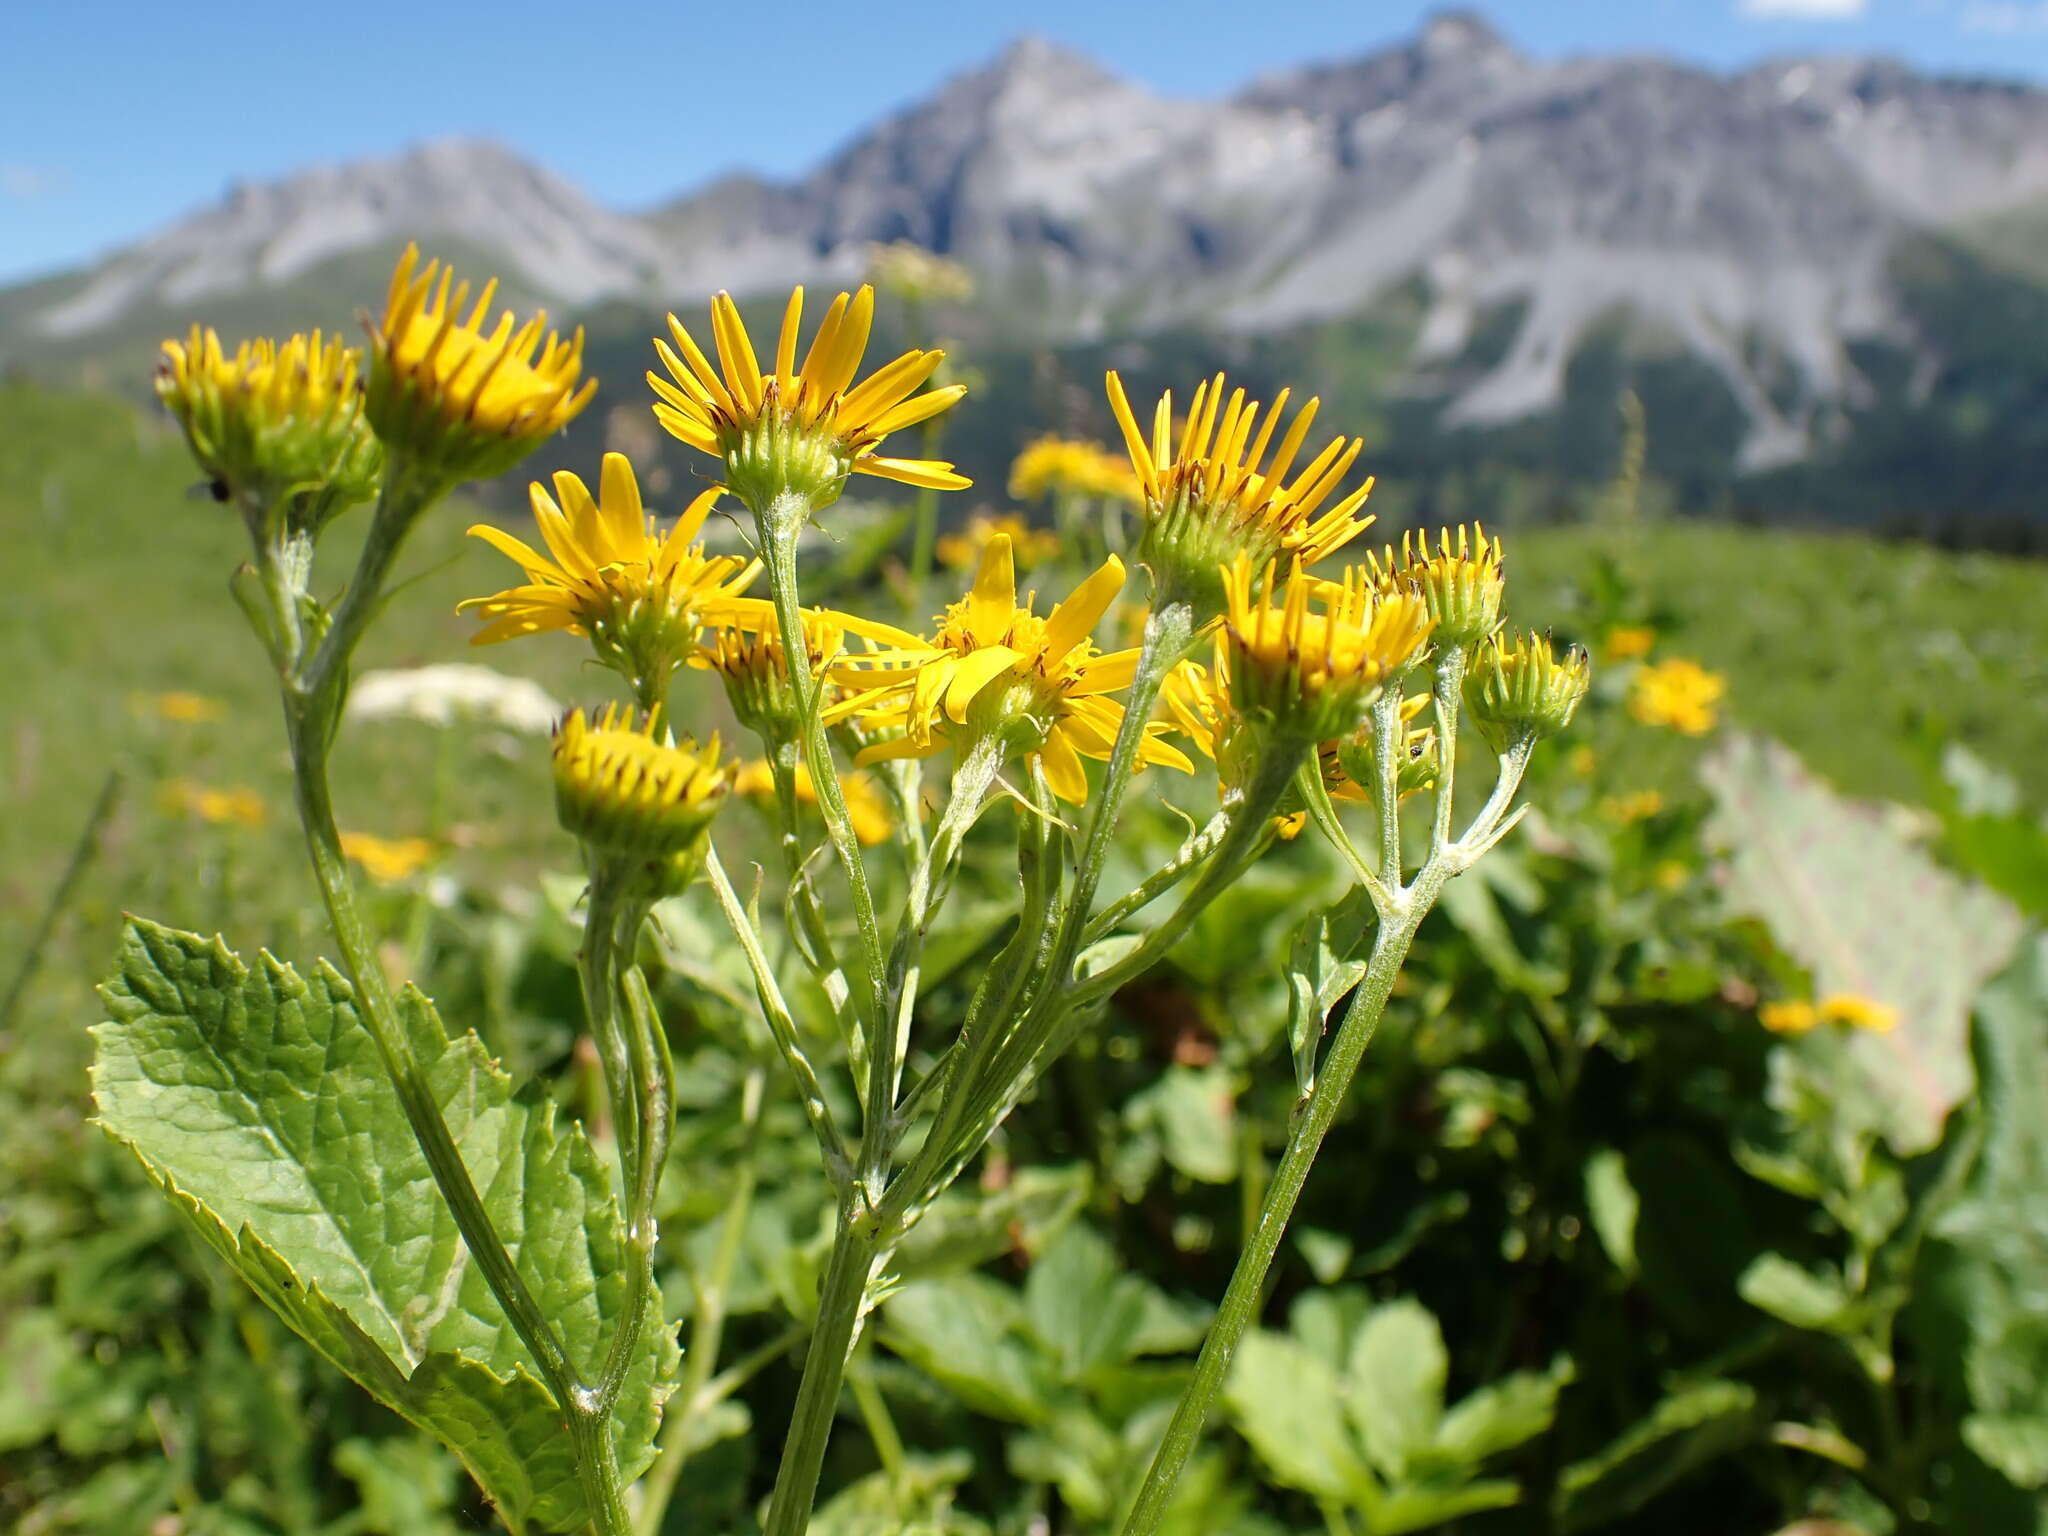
(1748, 221)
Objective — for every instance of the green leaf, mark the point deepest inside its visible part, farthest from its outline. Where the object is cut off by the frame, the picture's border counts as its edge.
(1423, 1506)
(1682, 1433)
(1612, 1206)
(2016, 1445)
(1193, 1110)
(1868, 913)
(963, 1332)
(254, 1098)
(1080, 1304)
(1797, 1296)
(1502, 1415)
(1394, 1384)
(965, 1228)
(1286, 1402)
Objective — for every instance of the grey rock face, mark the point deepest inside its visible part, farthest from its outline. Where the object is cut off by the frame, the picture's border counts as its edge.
(1746, 218)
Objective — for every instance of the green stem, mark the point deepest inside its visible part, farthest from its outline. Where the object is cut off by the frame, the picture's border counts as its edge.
(654, 1087)
(874, 1413)
(857, 1251)
(82, 854)
(1241, 1301)
(1198, 846)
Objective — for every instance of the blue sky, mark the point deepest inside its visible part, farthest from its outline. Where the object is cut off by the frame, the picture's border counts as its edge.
(115, 118)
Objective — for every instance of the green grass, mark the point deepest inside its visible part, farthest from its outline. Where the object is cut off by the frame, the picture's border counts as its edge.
(1837, 645)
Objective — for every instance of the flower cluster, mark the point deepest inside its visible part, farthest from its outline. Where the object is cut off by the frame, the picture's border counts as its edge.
(1679, 695)
(1066, 466)
(1848, 1010)
(1029, 546)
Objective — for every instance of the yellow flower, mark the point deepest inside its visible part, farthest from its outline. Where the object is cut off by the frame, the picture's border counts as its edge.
(1670, 875)
(1638, 805)
(624, 787)
(1461, 582)
(639, 596)
(1678, 694)
(1312, 673)
(467, 404)
(1627, 642)
(1065, 466)
(750, 662)
(236, 806)
(866, 806)
(1791, 1017)
(1858, 1012)
(1215, 496)
(182, 708)
(995, 667)
(801, 429)
(388, 860)
(1029, 546)
(1582, 760)
(276, 422)
(920, 276)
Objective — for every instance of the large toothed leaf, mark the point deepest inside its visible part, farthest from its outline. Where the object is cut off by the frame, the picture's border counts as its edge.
(255, 1099)
(1866, 912)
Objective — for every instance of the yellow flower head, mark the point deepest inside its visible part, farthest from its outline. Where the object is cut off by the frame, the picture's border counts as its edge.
(1789, 1017)
(388, 860)
(1627, 642)
(1029, 546)
(866, 806)
(799, 429)
(179, 707)
(1521, 687)
(749, 660)
(1312, 665)
(996, 667)
(1679, 694)
(1066, 466)
(625, 788)
(466, 403)
(236, 806)
(1351, 764)
(1855, 1011)
(638, 595)
(1461, 582)
(1215, 496)
(1637, 805)
(276, 423)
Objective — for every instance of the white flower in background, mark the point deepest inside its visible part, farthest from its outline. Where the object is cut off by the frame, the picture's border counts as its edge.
(451, 693)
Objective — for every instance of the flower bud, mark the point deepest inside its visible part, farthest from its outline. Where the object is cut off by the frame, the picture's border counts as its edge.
(460, 403)
(1520, 688)
(630, 795)
(1461, 583)
(754, 668)
(278, 426)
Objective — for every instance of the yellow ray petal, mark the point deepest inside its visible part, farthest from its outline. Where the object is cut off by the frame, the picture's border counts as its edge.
(1074, 620)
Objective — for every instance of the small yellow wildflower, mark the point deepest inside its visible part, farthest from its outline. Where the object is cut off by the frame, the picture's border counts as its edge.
(866, 806)
(639, 596)
(1313, 673)
(388, 860)
(1066, 466)
(234, 806)
(799, 429)
(749, 660)
(1215, 496)
(1678, 694)
(1582, 760)
(180, 708)
(1040, 681)
(467, 404)
(1029, 546)
(1638, 805)
(1351, 765)
(1790, 1017)
(1856, 1011)
(1670, 875)
(1627, 642)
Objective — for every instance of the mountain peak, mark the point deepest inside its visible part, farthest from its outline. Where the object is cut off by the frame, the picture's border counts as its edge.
(1460, 34)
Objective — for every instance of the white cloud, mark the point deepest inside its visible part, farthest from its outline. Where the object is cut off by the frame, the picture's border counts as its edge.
(26, 184)
(2006, 17)
(1804, 10)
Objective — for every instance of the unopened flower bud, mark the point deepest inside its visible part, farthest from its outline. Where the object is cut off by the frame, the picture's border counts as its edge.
(1520, 687)
(1461, 582)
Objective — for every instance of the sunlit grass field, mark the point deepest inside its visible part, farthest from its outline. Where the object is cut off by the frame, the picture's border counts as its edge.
(1866, 656)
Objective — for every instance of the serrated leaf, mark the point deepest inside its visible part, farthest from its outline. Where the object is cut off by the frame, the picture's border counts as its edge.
(963, 1332)
(1287, 1404)
(1682, 1433)
(254, 1098)
(1774, 1284)
(1838, 889)
(1081, 1306)
(1394, 1384)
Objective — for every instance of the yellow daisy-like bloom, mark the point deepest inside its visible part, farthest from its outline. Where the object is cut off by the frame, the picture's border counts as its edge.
(1856, 1011)
(1678, 694)
(866, 806)
(1067, 466)
(1789, 1017)
(1627, 642)
(1311, 673)
(624, 787)
(1029, 546)
(997, 668)
(1638, 805)
(800, 429)
(179, 707)
(638, 595)
(235, 806)
(388, 860)
(274, 420)
(749, 660)
(1461, 581)
(1214, 496)
(467, 404)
